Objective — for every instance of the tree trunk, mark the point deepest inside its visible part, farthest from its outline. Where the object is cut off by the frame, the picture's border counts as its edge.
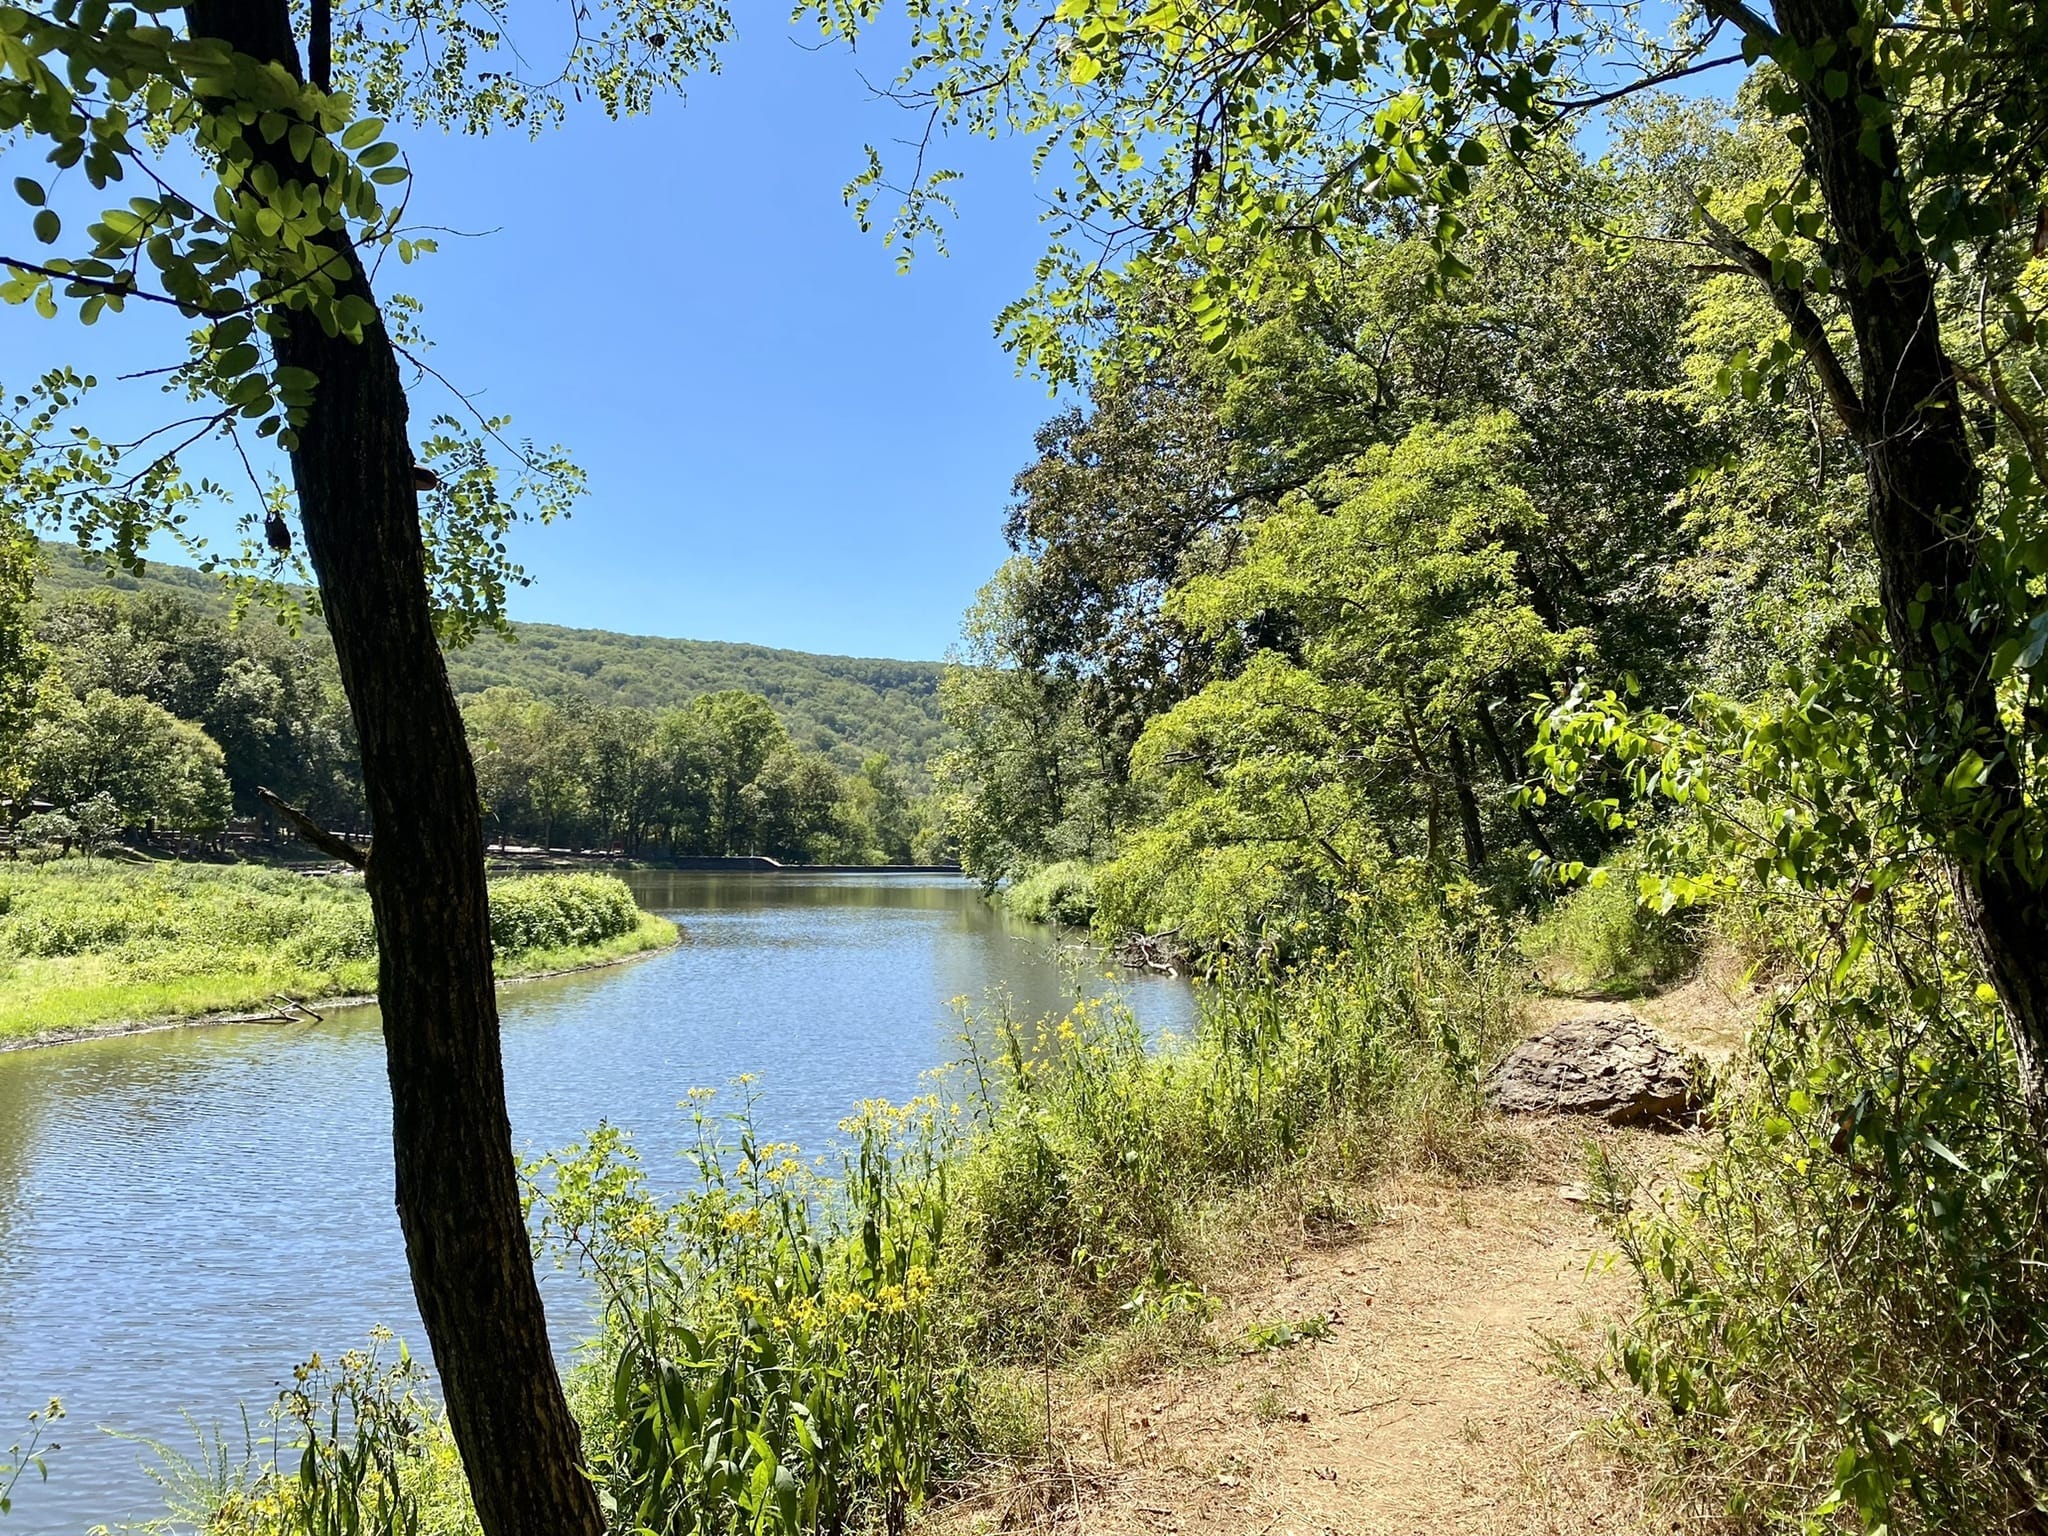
(1512, 775)
(1468, 803)
(458, 1195)
(1925, 493)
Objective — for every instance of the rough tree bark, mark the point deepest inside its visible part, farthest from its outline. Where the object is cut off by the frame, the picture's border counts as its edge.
(457, 1184)
(1925, 490)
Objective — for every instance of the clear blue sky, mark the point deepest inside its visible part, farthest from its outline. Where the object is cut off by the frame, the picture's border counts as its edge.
(787, 441)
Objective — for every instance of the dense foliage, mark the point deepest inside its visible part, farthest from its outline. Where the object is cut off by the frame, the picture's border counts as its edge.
(846, 707)
(1555, 543)
(718, 777)
(89, 942)
(147, 705)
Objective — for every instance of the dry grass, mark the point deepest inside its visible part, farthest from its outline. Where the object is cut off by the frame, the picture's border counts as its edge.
(1421, 1393)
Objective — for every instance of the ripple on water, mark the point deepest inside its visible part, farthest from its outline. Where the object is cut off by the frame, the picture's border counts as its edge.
(185, 1214)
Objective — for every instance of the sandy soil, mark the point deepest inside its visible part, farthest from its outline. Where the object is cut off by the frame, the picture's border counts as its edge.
(1430, 1406)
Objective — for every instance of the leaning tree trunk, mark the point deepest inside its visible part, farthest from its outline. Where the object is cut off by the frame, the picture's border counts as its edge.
(458, 1195)
(1925, 490)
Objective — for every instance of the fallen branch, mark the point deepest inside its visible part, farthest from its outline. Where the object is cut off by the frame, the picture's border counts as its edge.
(1161, 952)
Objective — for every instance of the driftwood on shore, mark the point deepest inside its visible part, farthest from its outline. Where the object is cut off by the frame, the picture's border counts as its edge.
(1161, 952)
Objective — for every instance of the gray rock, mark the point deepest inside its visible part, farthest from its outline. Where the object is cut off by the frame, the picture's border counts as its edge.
(1608, 1065)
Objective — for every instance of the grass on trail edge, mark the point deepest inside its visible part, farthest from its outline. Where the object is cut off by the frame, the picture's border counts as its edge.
(99, 949)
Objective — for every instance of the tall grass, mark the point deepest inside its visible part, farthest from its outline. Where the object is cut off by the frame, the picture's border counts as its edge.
(1096, 1159)
(796, 1346)
(1844, 1311)
(84, 942)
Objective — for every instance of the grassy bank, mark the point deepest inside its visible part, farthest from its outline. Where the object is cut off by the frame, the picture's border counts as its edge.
(792, 1348)
(86, 944)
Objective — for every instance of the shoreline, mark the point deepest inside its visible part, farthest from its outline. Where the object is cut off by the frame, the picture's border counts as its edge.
(74, 1034)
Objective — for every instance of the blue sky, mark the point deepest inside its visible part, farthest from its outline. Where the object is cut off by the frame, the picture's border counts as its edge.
(787, 441)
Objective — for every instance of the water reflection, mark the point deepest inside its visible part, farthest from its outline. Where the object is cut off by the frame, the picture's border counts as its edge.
(185, 1214)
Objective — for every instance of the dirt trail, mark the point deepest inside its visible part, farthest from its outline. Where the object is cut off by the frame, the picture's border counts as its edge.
(1428, 1407)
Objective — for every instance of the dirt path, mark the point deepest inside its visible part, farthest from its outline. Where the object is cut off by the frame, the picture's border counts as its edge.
(1427, 1407)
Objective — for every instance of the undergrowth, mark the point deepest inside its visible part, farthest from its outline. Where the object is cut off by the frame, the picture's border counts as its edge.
(1062, 893)
(84, 942)
(1844, 1309)
(796, 1346)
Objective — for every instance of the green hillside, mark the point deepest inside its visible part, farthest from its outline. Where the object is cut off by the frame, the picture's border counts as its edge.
(845, 706)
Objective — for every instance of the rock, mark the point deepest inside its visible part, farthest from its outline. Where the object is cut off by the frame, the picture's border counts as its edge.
(1613, 1066)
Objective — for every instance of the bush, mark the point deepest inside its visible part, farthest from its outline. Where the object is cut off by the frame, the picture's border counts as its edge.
(775, 1355)
(560, 911)
(1062, 893)
(1602, 940)
(1845, 1309)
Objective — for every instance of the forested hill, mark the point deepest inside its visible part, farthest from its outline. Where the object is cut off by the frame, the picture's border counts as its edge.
(844, 706)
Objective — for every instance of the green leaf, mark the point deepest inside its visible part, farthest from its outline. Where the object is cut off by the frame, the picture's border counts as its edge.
(362, 134)
(48, 226)
(30, 192)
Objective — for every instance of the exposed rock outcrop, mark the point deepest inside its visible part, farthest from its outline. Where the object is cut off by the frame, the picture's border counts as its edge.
(1610, 1065)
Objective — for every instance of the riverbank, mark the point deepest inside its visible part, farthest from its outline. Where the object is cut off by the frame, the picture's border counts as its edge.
(91, 949)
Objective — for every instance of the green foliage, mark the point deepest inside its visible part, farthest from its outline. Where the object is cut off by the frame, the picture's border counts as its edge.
(1097, 1154)
(559, 911)
(597, 742)
(356, 1447)
(84, 943)
(1844, 1307)
(1604, 939)
(1323, 767)
(1843, 1310)
(775, 1355)
(718, 777)
(1062, 893)
(270, 699)
(153, 767)
(1027, 780)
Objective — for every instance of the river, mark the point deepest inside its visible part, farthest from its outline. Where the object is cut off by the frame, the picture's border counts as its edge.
(185, 1214)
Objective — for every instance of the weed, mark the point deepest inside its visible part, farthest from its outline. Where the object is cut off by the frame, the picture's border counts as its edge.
(1283, 1333)
(29, 1455)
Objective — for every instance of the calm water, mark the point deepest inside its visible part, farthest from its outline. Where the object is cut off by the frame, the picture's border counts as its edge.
(184, 1215)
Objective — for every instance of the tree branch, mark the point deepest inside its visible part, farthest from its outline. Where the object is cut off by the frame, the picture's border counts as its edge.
(1808, 329)
(1646, 83)
(125, 287)
(311, 831)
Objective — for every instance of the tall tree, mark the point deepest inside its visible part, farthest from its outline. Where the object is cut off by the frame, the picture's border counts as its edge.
(1921, 137)
(272, 257)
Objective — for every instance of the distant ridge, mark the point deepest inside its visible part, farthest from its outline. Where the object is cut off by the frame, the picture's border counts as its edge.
(845, 706)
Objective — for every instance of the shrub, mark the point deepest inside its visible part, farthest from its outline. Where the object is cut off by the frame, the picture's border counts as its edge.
(560, 911)
(1601, 938)
(1062, 893)
(1845, 1308)
(774, 1357)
